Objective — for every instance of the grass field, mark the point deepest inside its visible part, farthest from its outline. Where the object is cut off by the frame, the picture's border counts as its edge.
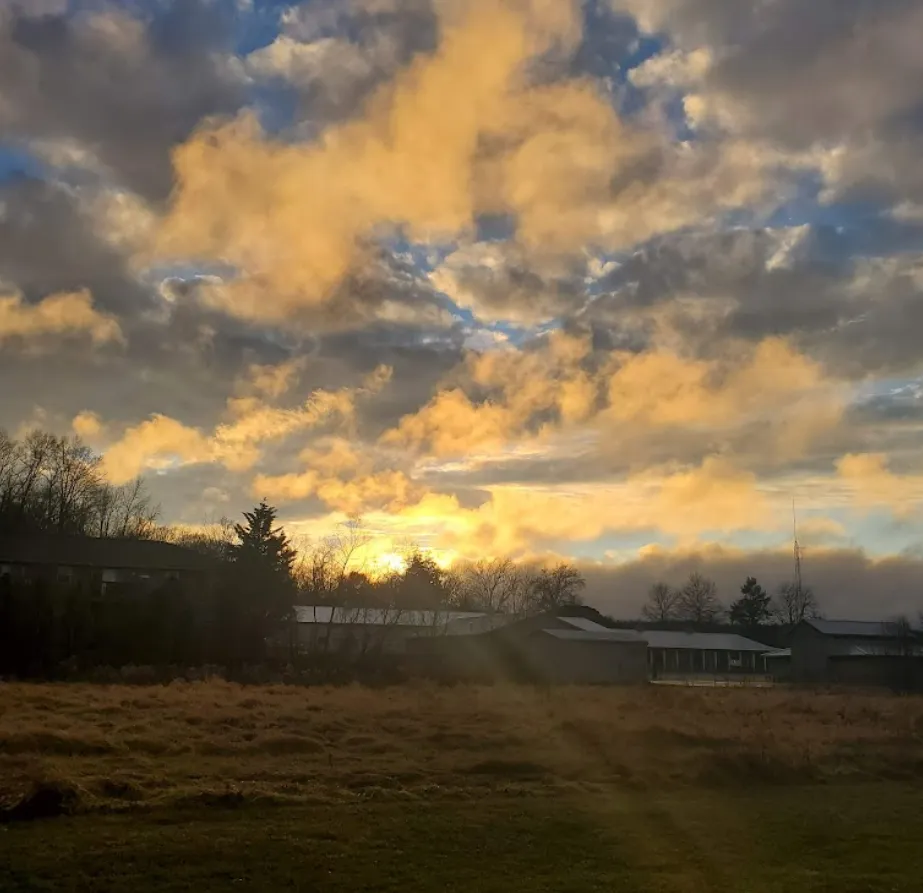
(216, 786)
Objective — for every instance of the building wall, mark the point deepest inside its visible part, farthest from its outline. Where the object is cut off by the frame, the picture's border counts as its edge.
(810, 654)
(880, 672)
(584, 662)
(355, 638)
(531, 657)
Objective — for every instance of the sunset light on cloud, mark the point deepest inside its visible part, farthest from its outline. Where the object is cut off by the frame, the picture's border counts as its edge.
(613, 281)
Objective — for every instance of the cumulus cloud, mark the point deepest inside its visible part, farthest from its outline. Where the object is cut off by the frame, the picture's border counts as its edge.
(237, 442)
(457, 132)
(499, 281)
(55, 315)
(836, 77)
(875, 485)
(119, 88)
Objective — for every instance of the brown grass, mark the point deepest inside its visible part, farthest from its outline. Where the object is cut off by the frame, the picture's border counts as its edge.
(121, 746)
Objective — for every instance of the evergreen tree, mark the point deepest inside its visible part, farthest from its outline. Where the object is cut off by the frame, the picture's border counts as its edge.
(263, 546)
(753, 608)
(257, 599)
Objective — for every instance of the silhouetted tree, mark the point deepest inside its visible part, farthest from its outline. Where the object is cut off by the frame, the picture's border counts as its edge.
(698, 600)
(490, 584)
(557, 586)
(793, 603)
(421, 584)
(258, 593)
(662, 603)
(753, 608)
(52, 484)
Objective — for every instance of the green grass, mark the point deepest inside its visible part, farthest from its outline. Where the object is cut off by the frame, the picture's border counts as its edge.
(841, 838)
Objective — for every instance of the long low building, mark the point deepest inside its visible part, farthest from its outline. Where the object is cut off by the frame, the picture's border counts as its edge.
(359, 630)
(677, 652)
(548, 648)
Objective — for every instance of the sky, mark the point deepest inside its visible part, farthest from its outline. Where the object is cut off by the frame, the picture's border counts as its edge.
(614, 282)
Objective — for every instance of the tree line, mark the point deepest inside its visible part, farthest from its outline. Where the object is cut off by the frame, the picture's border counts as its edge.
(696, 601)
(51, 484)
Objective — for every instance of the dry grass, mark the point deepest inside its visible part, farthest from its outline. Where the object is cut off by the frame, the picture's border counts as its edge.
(193, 742)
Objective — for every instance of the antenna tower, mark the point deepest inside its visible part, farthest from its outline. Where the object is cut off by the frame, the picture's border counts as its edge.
(797, 548)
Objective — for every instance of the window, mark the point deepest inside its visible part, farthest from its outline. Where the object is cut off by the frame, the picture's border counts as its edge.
(65, 574)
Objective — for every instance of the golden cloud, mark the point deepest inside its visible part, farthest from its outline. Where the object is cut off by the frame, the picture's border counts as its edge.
(67, 313)
(457, 132)
(235, 443)
(535, 393)
(686, 503)
(873, 484)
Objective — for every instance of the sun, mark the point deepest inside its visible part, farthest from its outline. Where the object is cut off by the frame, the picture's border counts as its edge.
(389, 562)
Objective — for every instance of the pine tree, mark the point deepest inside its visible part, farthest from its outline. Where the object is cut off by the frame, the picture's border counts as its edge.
(753, 606)
(257, 599)
(262, 546)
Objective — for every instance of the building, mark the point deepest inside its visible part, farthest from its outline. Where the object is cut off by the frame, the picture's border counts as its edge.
(855, 652)
(357, 631)
(99, 563)
(549, 648)
(682, 653)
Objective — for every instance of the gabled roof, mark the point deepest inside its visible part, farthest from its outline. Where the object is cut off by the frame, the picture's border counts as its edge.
(663, 638)
(114, 553)
(584, 623)
(874, 629)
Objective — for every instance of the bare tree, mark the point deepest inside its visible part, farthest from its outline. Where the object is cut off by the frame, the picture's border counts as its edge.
(125, 511)
(322, 569)
(214, 538)
(55, 484)
(793, 603)
(556, 587)
(698, 600)
(662, 603)
(491, 584)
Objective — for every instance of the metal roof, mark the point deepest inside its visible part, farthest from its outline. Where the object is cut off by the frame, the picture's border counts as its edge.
(382, 616)
(868, 629)
(782, 652)
(663, 638)
(584, 623)
(602, 635)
